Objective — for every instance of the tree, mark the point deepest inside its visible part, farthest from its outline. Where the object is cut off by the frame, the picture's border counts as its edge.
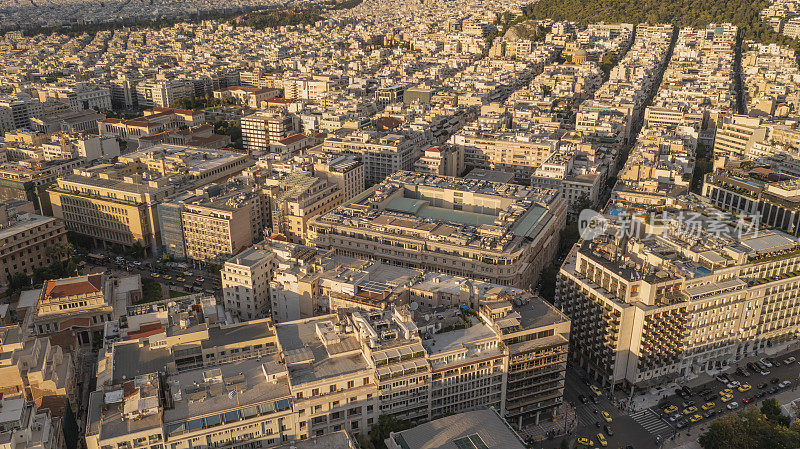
(748, 429)
(771, 408)
(18, 282)
(380, 432)
(151, 290)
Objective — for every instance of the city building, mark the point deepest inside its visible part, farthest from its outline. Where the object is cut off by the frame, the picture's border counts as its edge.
(246, 283)
(263, 128)
(480, 429)
(27, 242)
(502, 233)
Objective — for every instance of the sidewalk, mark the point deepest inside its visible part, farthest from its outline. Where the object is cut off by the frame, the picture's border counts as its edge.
(656, 394)
(565, 423)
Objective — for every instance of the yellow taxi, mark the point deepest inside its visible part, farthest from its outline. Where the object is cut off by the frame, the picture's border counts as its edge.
(695, 418)
(726, 398)
(605, 415)
(708, 406)
(744, 387)
(585, 442)
(595, 390)
(725, 392)
(602, 440)
(689, 410)
(670, 410)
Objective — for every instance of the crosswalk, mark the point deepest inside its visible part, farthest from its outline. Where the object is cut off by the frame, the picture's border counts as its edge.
(651, 422)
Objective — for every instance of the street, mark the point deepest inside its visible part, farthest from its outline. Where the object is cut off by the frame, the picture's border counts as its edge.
(651, 428)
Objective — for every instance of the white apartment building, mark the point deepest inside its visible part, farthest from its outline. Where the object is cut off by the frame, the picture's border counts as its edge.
(381, 153)
(262, 128)
(245, 283)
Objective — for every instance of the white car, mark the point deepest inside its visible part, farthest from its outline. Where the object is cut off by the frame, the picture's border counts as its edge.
(766, 363)
(733, 384)
(784, 384)
(764, 372)
(789, 360)
(733, 405)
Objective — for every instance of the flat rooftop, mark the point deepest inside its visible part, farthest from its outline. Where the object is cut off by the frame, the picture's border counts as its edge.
(481, 429)
(299, 340)
(457, 339)
(132, 359)
(196, 397)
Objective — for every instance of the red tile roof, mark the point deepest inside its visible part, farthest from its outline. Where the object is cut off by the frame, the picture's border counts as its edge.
(61, 288)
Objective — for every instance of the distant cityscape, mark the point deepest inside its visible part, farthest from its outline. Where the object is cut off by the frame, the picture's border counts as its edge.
(399, 224)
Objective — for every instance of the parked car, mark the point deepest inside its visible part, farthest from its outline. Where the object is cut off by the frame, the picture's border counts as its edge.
(733, 405)
(789, 361)
(765, 362)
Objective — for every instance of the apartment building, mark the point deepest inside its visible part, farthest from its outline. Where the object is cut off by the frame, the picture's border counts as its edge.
(502, 233)
(40, 372)
(575, 174)
(216, 228)
(736, 137)
(17, 110)
(537, 337)
(680, 300)
(24, 423)
(332, 384)
(26, 242)
(262, 128)
(246, 283)
(345, 171)
(442, 160)
(163, 92)
(505, 150)
(381, 153)
(295, 199)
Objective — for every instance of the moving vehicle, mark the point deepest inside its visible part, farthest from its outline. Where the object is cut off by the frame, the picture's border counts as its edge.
(585, 442)
(744, 387)
(595, 390)
(708, 406)
(670, 410)
(606, 416)
(689, 410)
(602, 440)
(733, 406)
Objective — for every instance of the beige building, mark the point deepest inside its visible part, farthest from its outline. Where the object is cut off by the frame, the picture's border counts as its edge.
(297, 198)
(246, 96)
(222, 226)
(443, 160)
(26, 243)
(117, 205)
(502, 233)
(668, 310)
(345, 171)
